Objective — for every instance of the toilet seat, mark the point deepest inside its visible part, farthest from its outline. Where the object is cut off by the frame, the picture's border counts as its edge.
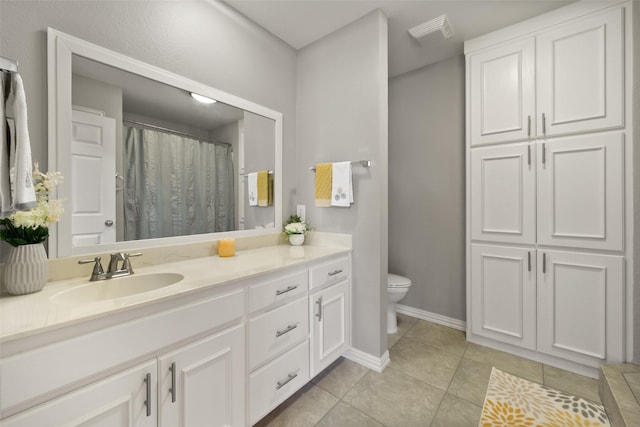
(397, 281)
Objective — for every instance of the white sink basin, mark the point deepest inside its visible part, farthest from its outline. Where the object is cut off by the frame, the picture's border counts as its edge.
(116, 288)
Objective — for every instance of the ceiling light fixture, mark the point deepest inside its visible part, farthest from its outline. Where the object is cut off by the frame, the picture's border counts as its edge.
(202, 98)
(440, 23)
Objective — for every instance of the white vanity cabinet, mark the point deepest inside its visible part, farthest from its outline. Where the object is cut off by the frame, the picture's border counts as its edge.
(278, 341)
(203, 383)
(223, 355)
(548, 156)
(120, 400)
(329, 314)
(100, 358)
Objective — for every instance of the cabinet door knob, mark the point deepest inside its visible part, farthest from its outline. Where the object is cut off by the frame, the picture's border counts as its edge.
(544, 124)
(319, 313)
(544, 263)
(529, 261)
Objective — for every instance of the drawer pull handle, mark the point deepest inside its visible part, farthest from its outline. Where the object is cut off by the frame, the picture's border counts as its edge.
(284, 291)
(286, 331)
(172, 389)
(283, 383)
(147, 403)
(319, 313)
(334, 272)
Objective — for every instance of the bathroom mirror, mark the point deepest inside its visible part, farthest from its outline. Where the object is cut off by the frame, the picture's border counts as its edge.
(145, 164)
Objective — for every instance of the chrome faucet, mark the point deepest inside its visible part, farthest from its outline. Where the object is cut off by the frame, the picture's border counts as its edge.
(112, 270)
(125, 269)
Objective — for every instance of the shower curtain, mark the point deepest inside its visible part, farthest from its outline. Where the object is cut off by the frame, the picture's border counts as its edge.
(175, 185)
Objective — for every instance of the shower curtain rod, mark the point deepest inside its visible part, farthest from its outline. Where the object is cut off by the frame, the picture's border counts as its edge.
(175, 132)
(7, 64)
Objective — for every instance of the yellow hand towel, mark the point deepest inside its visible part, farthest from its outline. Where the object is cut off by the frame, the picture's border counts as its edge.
(263, 188)
(323, 184)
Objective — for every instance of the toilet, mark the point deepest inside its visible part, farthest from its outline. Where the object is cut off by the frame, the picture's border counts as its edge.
(397, 288)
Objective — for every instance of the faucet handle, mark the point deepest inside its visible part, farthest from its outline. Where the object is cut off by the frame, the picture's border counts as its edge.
(98, 272)
(126, 264)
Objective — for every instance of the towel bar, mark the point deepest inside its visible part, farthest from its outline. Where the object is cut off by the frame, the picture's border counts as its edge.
(363, 163)
(246, 174)
(9, 65)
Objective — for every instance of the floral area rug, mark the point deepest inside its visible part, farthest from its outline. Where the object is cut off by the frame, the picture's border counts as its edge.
(513, 401)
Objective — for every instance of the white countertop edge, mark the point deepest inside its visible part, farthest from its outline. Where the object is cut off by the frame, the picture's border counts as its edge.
(26, 315)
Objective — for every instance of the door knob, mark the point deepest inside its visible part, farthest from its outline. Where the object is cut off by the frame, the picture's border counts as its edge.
(108, 223)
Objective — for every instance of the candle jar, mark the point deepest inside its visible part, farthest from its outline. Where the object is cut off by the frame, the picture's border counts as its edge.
(226, 247)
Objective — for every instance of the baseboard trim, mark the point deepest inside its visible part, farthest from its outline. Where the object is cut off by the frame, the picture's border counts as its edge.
(432, 317)
(367, 360)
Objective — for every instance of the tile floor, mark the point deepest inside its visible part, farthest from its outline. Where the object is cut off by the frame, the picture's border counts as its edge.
(435, 378)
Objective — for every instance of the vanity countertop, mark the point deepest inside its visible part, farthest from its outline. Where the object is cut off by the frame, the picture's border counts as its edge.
(25, 315)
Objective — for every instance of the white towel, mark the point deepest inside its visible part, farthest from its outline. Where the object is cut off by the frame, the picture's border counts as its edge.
(252, 188)
(5, 185)
(23, 195)
(341, 185)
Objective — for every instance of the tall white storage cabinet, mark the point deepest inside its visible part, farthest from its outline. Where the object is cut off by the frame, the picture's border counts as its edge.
(549, 186)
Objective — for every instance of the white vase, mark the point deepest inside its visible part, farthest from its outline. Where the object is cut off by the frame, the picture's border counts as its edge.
(296, 239)
(25, 270)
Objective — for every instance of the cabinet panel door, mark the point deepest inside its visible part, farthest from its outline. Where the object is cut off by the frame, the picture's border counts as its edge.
(207, 380)
(503, 194)
(117, 401)
(502, 93)
(580, 192)
(330, 320)
(579, 306)
(580, 75)
(503, 294)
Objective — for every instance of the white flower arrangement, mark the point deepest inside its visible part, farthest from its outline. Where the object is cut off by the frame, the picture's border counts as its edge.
(296, 226)
(31, 226)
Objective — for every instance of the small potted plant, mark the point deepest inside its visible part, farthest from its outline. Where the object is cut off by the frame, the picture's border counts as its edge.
(25, 269)
(295, 230)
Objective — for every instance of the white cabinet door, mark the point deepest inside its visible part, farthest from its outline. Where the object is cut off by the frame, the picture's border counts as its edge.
(125, 399)
(503, 294)
(581, 192)
(580, 300)
(503, 188)
(580, 75)
(502, 91)
(204, 382)
(329, 317)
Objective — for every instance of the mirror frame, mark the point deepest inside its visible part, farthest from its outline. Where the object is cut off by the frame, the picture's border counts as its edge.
(60, 49)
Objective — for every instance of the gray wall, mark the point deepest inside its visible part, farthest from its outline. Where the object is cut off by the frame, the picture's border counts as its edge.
(342, 115)
(636, 187)
(426, 186)
(207, 42)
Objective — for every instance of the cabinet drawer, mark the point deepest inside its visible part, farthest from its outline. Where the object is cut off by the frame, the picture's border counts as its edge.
(279, 290)
(277, 330)
(330, 272)
(275, 382)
